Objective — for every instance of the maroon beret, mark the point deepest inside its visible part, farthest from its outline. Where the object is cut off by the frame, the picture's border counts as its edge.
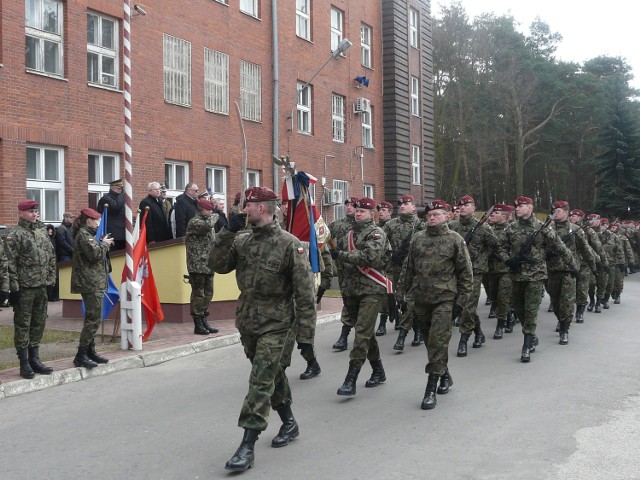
(259, 194)
(91, 213)
(205, 204)
(366, 202)
(560, 204)
(435, 205)
(522, 201)
(501, 207)
(604, 220)
(351, 200)
(456, 206)
(593, 216)
(27, 205)
(447, 207)
(466, 199)
(577, 212)
(406, 199)
(385, 204)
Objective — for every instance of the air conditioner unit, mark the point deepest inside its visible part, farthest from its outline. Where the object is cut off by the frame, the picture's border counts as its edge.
(332, 197)
(361, 105)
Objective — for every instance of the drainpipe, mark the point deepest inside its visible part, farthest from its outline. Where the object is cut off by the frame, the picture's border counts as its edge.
(276, 91)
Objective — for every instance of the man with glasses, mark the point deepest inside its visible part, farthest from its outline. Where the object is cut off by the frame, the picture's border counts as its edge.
(184, 209)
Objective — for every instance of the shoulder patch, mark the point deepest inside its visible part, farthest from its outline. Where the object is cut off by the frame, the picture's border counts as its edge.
(300, 250)
(376, 235)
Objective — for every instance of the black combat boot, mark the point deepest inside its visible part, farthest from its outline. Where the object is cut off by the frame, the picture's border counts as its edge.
(399, 345)
(580, 313)
(36, 365)
(462, 345)
(550, 309)
(605, 303)
(243, 458)
(499, 333)
(592, 302)
(199, 328)
(313, 370)
(349, 385)
(417, 337)
(93, 355)
(534, 343)
(25, 368)
(382, 328)
(526, 349)
(478, 339)
(616, 299)
(564, 333)
(487, 301)
(598, 308)
(429, 401)
(558, 326)
(82, 360)
(377, 376)
(492, 311)
(511, 321)
(289, 429)
(206, 325)
(342, 344)
(446, 381)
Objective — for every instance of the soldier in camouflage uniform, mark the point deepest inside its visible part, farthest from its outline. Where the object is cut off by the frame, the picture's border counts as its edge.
(276, 298)
(528, 266)
(438, 275)
(624, 259)
(365, 286)
(339, 229)
(199, 237)
(4, 275)
(481, 242)
(32, 268)
(388, 309)
(89, 276)
(598, 283)
(562, 274)
(613, 249)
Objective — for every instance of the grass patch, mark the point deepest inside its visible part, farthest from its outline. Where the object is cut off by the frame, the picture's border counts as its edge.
(50, 336)
(333, 294)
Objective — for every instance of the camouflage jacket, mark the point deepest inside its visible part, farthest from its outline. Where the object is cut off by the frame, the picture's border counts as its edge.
(611, 246)
(89, 267)
(594, 243)
(576, 242)
(438, 268)
(517, 234)
(32, 261)
(371, 250)
(4, 272)
(481, 246)
(496, 264)
(628, 251)
(274, 277)
(339, 230)
(399, 232)
(199, 240)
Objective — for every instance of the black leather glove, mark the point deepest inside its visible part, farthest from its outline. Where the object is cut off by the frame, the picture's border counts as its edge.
(3, 297)
(335, 253)
(237, 222)
(576, 274)
(320, 293)
(622, 268)
(456, 311)
(402, 306)
(14, 298)
(305, 348)
(512, 263)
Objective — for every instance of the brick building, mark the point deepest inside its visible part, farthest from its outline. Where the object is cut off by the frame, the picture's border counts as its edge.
(62, 115)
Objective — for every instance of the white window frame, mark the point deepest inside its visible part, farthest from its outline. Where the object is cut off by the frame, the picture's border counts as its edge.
(337, 27)
(414, 28)
(367, 190)
(36, 31)
(415, 96)
(177, 70)
(251, 91)
(211, 173)
(102, 52)
(253, 178)
(415, 164)
(337, 117)
(366, 33)
(339, 211)
(38, 186)
(303, 19)
(100, 185)
(366, 118)
(250, 7)
(175, 188)
(216, 81)
(305, 114)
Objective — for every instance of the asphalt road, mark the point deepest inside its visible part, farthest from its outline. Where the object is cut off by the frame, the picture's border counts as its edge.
(572, 413)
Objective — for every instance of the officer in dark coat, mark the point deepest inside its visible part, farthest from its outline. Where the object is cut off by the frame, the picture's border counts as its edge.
(114, 199)
(185, 209)
(157, 227)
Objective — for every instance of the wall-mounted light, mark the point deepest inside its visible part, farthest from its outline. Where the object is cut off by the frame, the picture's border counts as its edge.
(139, 9)
(362, 81)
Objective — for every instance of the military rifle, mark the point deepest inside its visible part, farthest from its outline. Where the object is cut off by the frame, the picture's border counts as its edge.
(522, 257)
(482, 220)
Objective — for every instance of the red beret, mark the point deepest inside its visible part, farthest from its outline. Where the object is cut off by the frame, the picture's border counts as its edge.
(447, 207)
(466, 199)
(560, 204)
(593, 216)
(91, 213)
(384, 204)
(522, 201)
(604, 220)
(351, 200)
(501, 207)
(27, 205)
(577, 212)
(456, 206)
(406, 199)
(205, 204)
(236, 198)
(366, 202)
(259, 194)
(435, 205)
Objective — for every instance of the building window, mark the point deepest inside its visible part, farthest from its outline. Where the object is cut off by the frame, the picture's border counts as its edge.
(217, 181)
(250, 91)
(102, 50)
(367, 191)
(253, 178)
(43, 32)
(216, 81)
(303, 19)
(45, 171)
(103, 168)
(250, 7)
(337, 118)
(337, 27)
(177, 71)
(415, 96)
(176, 177)
(339, 210)
(414, 19)
(365, 43)
(304, 109)
(367, 135)
(415, 164)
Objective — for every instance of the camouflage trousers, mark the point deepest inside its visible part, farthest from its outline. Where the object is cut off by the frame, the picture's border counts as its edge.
(408, 318)
(469, 319)
(618, 281)
(201, 293)
(92, 316)
(30, 317)
(270, 355)
(598, 284)
(498, 286)
(434, 320)
(611, 280)
(582, 286)
(364, 310)
(562, 290)
(525, 299)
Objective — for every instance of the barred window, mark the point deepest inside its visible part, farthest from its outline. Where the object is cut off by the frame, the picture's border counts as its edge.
(216, 81)
(177, 71)
(337, 118)
(250, 91)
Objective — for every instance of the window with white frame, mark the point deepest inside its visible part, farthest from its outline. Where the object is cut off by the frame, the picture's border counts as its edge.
(43, 36)
(367, 134)
(339, 211)
(304, 108)
(176, 177)
(367, 190)
(177, 71)
(250, 7)
(415, 96)
(303, 19)
(337, 27)
(217, 181)
(251, 91)
(103, 168)
(365, 45)
(414, 19)
(216, 81)
(415, 164)
(337, 118)
(253, 178)
(102, 50)
(45, 171)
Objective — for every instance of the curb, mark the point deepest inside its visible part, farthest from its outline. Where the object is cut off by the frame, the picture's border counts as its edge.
(141, 360)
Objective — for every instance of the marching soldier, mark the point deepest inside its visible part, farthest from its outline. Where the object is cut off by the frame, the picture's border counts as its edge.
(624, 258)
(598, 283)
(388, 309)
(613, 249)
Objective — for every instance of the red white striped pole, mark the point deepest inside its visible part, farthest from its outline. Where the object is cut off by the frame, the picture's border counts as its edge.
(128, 175)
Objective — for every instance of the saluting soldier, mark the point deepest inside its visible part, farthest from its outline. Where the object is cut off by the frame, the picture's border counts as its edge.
(114, 199)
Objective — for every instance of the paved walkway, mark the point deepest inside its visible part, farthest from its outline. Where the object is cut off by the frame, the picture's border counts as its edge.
(167, 341)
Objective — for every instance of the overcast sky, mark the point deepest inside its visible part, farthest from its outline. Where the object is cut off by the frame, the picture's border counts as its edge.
(588, 29)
